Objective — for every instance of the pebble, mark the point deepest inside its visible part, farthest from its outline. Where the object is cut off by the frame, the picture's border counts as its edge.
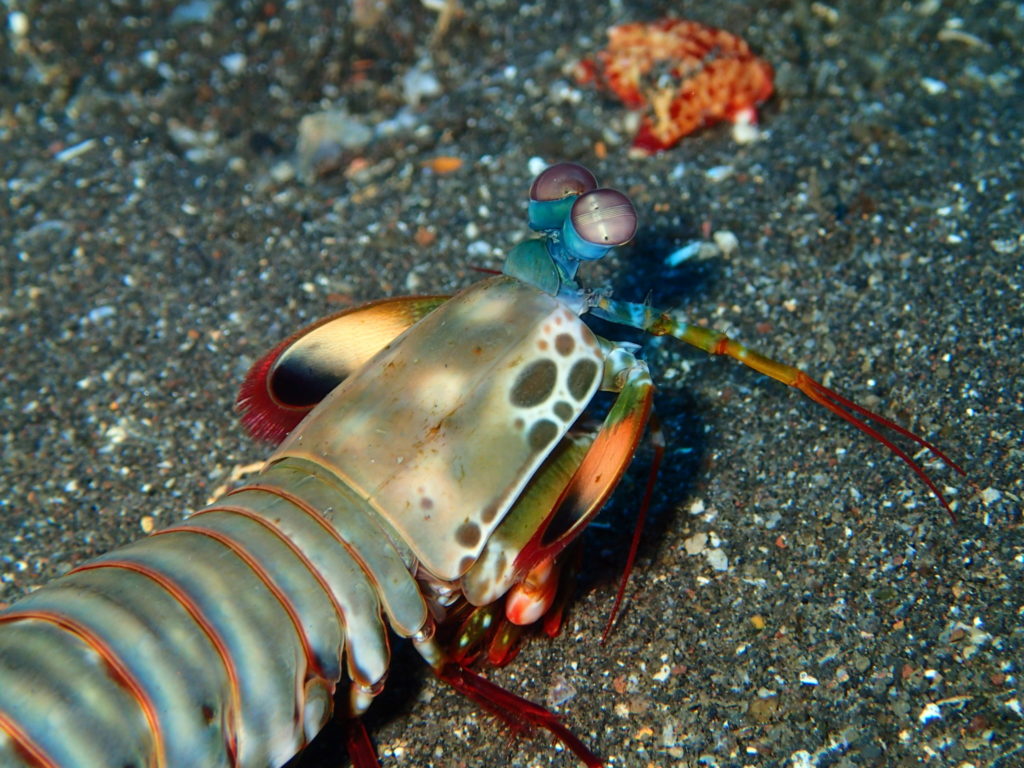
(323, 139)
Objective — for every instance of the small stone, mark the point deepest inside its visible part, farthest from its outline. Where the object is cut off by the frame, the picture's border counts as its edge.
(234, 63)
(990, 495)
(719, 173)
(696, 544)
(726, 241)
(717, 559)
(17, 23)
(933, 86)
(324, 137)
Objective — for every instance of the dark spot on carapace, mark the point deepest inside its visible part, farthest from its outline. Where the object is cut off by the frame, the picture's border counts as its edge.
(468, 535)
(542, 345)
(534, 384)
(564, 411)
(564, 344)
(426, 503)
(489, 512)
(541, 434)
(519, 423)
(581, 377)
(208, 713)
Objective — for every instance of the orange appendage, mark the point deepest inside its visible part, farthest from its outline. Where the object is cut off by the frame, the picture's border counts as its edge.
(529, 600)
(688, 75)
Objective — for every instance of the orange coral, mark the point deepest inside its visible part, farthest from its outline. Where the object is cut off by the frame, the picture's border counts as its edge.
(688, 74)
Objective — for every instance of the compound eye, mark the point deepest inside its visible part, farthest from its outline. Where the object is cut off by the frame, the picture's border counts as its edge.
(604, 217)
(562, 180)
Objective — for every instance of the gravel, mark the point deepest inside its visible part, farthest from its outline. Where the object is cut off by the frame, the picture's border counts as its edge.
(800, 599)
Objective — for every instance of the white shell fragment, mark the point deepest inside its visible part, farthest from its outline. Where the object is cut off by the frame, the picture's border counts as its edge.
(324, 137)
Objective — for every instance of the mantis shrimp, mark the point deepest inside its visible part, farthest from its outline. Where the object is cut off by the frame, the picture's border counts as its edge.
(434, 469)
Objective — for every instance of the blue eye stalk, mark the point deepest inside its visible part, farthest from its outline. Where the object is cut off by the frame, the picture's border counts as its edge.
(579, 222)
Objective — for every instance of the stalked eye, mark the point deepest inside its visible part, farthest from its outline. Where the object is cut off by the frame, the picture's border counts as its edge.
(604, 217)
(562, 180)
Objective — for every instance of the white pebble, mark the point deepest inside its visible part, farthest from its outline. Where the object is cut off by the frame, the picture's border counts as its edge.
(535, 165)
(479, 248)
(718, 173)
(234, 63)
(726, 241)
(717, 559)
(991, 495)
(324, 137)
(17, 23)
(77, 150)
(696, 544)
(196, 12)
(420, 82)
(101, 313)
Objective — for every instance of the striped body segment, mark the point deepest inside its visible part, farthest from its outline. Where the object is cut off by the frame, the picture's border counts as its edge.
(213, 643)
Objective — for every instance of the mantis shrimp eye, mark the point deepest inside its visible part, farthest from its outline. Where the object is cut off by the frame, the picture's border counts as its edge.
(562, 180)
(604, 217)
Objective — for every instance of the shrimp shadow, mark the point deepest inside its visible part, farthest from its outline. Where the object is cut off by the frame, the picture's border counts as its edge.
(646, 278)
(399, 699)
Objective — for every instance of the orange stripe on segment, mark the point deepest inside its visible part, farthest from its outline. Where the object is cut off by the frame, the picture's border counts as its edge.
(333, 533)
(320, 519)
(193, 610)
(25, 744)
(264, 576)
(273, 529)
(603, 465)
(323, 522)
(121, 673)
